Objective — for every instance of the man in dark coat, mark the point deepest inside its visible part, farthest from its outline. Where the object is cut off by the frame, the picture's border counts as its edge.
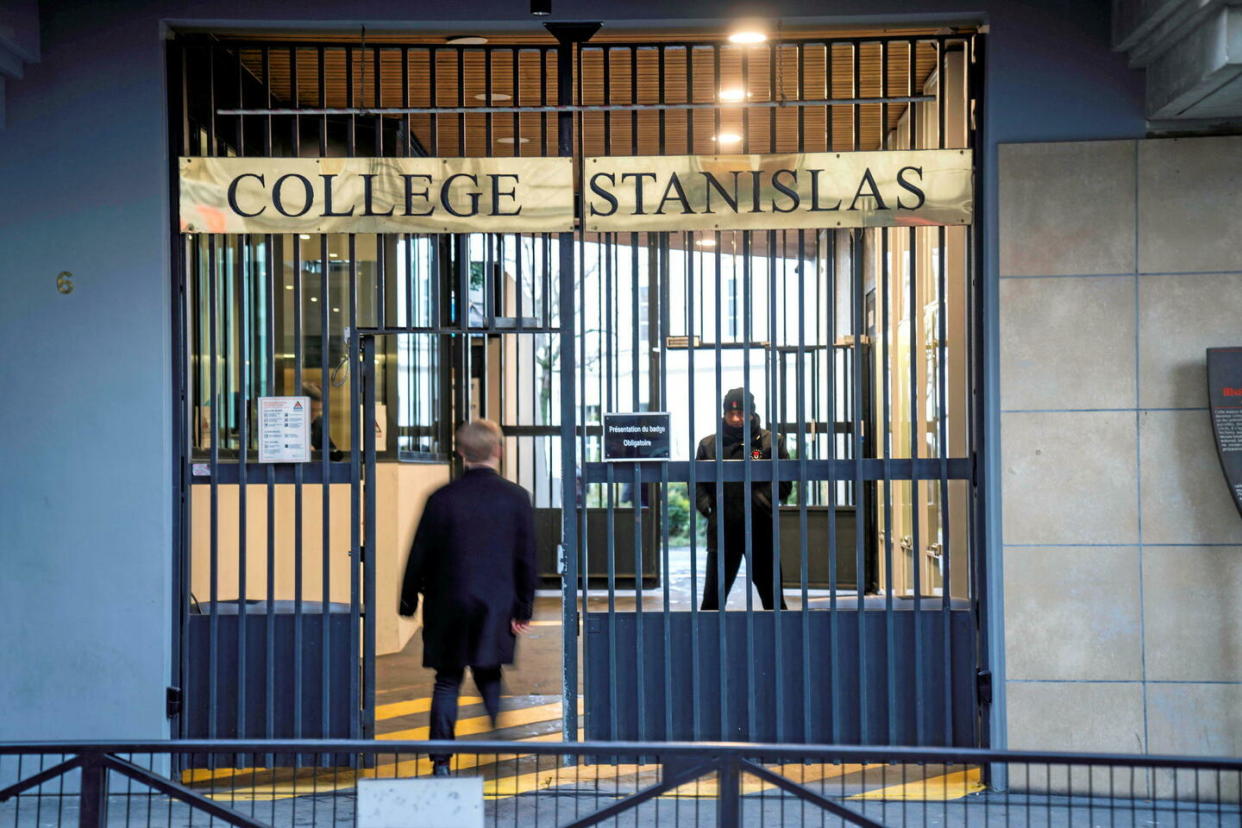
(473, 560)
(738, 407)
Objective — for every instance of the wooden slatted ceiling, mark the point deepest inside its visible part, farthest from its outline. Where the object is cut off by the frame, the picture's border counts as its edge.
(617, 75)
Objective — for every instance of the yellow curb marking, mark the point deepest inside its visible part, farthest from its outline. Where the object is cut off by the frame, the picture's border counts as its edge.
(483, 724)
(942, 788)
(408, 708)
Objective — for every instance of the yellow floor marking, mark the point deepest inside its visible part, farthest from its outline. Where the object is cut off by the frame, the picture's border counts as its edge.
(545, 623)
(798, 773)
(191, 776)
(934, 789)
(482, 724)
(704, 787)
(328, 779)
(549, 778)
(407, 708)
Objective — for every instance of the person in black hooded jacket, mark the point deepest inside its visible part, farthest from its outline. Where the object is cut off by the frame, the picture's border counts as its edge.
(738, 407)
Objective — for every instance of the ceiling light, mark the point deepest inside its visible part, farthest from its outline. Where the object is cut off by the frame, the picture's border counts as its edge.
(336, 310)
(466, 40)
(706, 242)
(735, 93)
(314, 298)
(728, 138)
(288, 287)
(496, 96)
(332, 255)
(747, 37)
(510, 140)
(304, 236)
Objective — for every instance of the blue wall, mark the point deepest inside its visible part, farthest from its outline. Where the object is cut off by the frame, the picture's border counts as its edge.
(86, 501)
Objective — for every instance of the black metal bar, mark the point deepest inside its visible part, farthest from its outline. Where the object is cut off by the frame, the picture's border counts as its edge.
(93, 794)
(692, 479)
(39, 778)
(369, 545)
(886, 338)
(728, 787)
(977, 294)
(748, 512)
(833, 626)
(182, 404)
(807, 795)
(676, 43)
(635, 799)
(243, 490)
(772, 390)
(942, 451)
(269, 624)
(213, 692)
(358, 726)
(718, 476)
(802, 488)
(569, 501)
(857, 268)
(171, 789)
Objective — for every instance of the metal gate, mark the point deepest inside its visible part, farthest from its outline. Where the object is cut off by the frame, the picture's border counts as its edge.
(860, 347)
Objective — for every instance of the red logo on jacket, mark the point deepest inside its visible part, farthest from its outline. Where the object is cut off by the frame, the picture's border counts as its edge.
(756, 454)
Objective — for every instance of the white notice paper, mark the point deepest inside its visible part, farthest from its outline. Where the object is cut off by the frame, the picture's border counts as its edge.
(284, 429)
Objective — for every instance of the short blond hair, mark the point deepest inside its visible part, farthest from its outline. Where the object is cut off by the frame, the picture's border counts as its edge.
(478, 440)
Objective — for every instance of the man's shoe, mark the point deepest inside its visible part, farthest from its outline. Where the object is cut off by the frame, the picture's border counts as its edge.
(440, 769)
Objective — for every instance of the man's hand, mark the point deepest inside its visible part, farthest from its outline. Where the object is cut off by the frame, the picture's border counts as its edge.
(519, 627)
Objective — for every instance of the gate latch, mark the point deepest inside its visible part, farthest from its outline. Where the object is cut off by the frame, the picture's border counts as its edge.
(172, 702)
(983, 686)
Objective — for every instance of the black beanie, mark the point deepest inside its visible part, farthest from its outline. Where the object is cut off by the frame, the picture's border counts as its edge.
(733, 401)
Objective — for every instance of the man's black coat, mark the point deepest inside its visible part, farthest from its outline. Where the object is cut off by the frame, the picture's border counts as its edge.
(473, 559)
(735, 493)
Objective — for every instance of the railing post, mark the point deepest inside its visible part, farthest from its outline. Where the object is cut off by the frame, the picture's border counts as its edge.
(729, 797)
(93, 796)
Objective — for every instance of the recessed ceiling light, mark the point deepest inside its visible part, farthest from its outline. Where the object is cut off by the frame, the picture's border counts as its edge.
(496, 96)
(466, 40)
(747, 37)
(288, 287)
(332, 255)
(304, 236)
(706, 242)
(734, 93)
(510, 140)
(336, 310)
(728, 138)
(314, 298)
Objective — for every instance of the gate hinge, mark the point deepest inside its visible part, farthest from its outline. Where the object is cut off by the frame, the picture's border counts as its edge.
(983, 686)
(172, 702)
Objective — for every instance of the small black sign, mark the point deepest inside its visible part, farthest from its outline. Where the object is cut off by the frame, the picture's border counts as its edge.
(1224, 368)
(637, 437)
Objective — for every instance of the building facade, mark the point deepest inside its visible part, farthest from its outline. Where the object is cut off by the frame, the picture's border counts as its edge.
(1109, 263)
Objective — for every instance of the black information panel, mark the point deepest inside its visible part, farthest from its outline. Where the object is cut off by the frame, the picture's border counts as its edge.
(637, 437)
(1225, 396)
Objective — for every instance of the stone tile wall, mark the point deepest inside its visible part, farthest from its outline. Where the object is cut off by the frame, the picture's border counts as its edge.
(1121, 262)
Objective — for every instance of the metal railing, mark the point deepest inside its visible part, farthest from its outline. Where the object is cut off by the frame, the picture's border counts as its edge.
(579, 784)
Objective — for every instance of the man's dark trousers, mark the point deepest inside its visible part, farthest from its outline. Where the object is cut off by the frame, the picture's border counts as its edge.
(444, 700)
(761, 559)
